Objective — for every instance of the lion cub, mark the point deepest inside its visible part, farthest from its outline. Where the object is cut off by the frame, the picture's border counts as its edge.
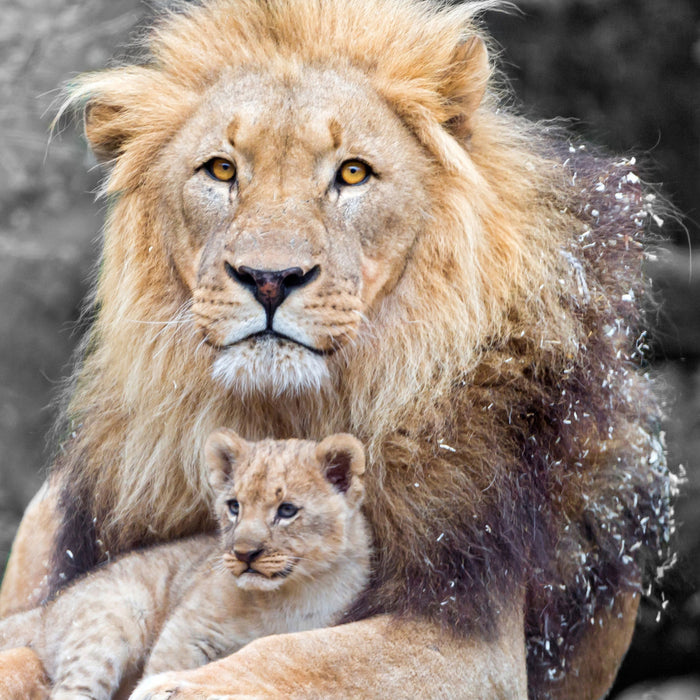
(292, 553)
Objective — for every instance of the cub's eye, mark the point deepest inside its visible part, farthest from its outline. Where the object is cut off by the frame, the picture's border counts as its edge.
(353, 172)
(233, 506)
(287, 510)
(220, 169)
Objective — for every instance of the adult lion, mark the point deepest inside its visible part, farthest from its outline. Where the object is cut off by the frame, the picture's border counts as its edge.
(323, 221)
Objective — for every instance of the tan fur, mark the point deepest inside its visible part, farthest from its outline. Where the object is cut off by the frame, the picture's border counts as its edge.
(25, 581)
(467, 313)
(598, 663)
(397, 658)
(22, 676)
(193, 601)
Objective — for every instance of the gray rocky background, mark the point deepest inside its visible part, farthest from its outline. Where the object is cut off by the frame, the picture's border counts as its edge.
(627, 70)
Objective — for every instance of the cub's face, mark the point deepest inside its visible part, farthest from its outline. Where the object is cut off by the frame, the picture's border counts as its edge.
(285, 508)
(292, 204)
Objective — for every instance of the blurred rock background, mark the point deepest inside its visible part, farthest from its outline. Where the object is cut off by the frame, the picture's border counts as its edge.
(627, 72)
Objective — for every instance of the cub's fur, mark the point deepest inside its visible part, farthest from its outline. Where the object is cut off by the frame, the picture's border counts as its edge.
(295, 555)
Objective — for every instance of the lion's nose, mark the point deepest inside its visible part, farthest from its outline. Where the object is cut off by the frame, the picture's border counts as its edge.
(271, 287)
(247, 555)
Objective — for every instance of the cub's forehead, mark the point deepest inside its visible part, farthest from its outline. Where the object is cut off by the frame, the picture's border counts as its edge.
(274, 468)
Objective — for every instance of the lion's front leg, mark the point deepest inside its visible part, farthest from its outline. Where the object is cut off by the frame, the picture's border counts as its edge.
(375, 658)
(598, 655)
(22, 676)
(25, 583)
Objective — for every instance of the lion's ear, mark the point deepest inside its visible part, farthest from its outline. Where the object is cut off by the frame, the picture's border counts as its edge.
(104, 130)
(115, 106)
(465, 83)
(342, 460)
(223, 450)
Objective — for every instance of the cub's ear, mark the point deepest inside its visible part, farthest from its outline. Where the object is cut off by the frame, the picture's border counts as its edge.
(464, 84)
(223, 450)
(342, 457)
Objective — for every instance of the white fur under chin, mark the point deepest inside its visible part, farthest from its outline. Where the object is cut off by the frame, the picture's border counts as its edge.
(258, 582)
(270, 366)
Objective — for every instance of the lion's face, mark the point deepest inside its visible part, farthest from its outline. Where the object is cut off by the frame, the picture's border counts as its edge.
(286, 509)
(293, 203)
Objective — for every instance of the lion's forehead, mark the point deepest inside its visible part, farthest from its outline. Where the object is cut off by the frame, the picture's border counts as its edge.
(295, 132)
(315, 111)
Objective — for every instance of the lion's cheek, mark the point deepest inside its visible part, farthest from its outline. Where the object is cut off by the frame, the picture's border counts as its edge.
(199, 218)
(186, 259)
(378, 277)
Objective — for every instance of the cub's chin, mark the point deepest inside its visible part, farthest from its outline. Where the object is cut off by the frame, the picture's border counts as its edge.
(272, 366)
(258, 582)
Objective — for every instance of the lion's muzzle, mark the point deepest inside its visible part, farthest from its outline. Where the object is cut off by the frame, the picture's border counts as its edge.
(271, 287)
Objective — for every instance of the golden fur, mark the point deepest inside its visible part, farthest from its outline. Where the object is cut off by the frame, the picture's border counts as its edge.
(469, 312)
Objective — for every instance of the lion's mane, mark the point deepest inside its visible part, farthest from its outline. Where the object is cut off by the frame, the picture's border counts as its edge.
(513, 442)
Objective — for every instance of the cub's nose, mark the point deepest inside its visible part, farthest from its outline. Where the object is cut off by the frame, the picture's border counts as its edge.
(247, 555)
(271, 287)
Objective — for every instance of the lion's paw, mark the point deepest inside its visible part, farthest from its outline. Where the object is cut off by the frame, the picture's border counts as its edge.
(163, 686)
(169, 686)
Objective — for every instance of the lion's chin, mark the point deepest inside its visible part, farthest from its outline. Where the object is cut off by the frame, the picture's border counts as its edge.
(270, 366)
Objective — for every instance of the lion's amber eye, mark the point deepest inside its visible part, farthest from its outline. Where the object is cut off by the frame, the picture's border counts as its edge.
(221, 169)
(353, 172)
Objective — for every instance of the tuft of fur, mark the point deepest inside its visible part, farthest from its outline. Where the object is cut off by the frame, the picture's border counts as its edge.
(513, 441)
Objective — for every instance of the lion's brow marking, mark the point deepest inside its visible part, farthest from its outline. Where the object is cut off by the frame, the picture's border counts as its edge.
(232, 129)
(336, 131)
